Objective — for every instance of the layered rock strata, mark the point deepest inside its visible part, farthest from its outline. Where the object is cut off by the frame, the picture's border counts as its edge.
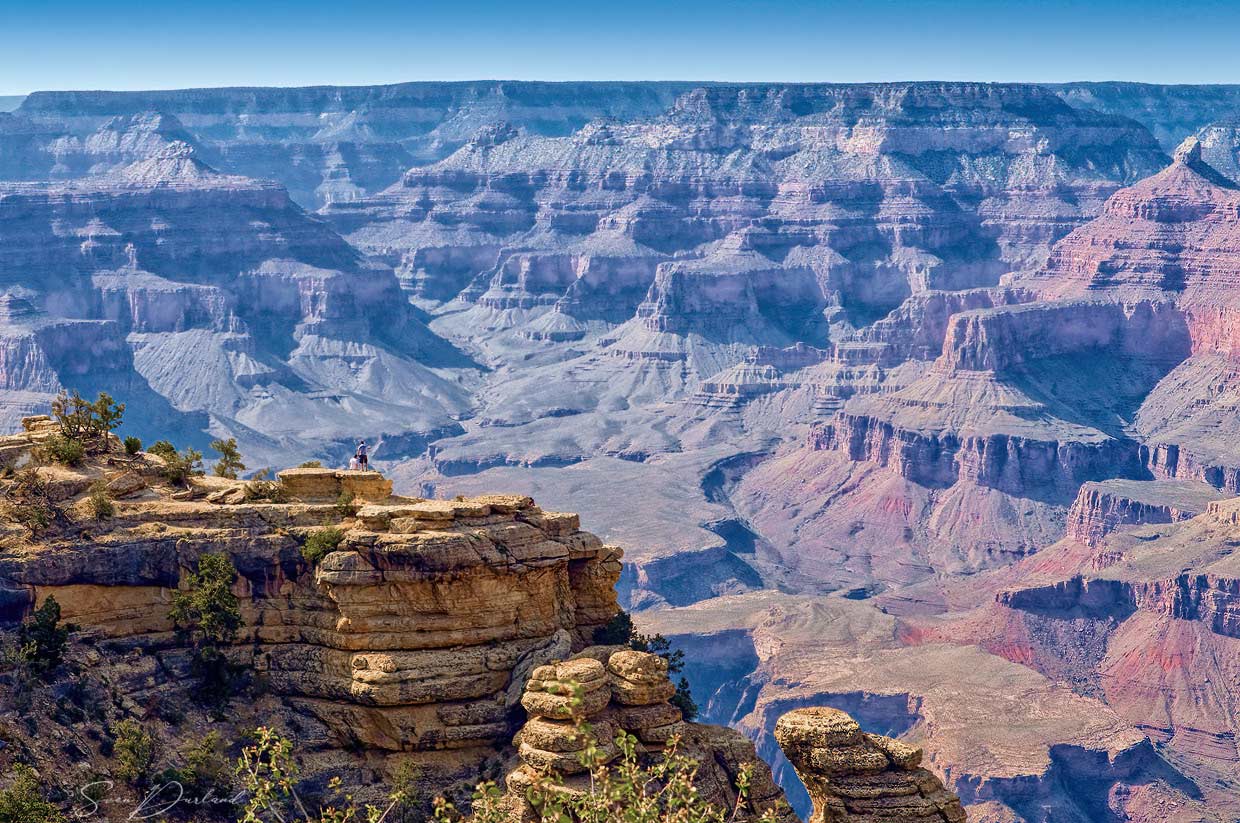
(1186, 574)
(604, 692)
(1102, 507)
(755, 214)
(204, 299)
(853, 776)
(1175, 238)
(414, 635)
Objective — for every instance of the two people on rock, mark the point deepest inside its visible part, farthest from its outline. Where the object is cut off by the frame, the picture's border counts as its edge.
(360, 461)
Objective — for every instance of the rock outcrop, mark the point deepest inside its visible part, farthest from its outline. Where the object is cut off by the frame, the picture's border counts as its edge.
(412, 637)
(851, 775)
(615, 692)
(422, 636)
(1102, 507)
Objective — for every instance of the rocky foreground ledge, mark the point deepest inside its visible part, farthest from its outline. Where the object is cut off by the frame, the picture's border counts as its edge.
(425, 633)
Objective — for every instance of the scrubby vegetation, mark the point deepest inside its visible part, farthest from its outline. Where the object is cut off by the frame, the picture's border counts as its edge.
(205, 775)
(207, 614)
(321, 543)
(100, 501)
(268, 773)
(620, 631)
(64, 450)
(230, 458)
(346, 505)
(134, 753)
(84, 423)
(311, 464)
(43, 638)
(631, 789)
(132, 445)
(179, 466)
(23, 801)
(27, 501)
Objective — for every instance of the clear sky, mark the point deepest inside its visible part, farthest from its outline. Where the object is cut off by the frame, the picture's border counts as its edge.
(126, 44)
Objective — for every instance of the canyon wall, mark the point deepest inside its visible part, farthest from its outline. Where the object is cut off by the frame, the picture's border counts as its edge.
(897, 350)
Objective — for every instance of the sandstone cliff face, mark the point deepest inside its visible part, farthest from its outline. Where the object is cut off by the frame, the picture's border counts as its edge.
(412, 637)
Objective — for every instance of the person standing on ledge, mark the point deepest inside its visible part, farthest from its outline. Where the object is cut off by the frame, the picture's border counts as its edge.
(363, 461)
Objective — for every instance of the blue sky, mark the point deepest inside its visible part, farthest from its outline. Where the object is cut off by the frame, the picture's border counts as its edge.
(180, 43)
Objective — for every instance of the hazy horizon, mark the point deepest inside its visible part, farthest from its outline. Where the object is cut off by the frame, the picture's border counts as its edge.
(10, 101)
(126, 46)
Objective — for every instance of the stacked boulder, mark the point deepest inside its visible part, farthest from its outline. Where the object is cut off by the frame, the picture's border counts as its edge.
(615, 689)
(640, 690)
(559, 697)
(854, 776)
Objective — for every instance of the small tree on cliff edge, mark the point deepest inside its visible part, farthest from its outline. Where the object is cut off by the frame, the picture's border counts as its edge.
(207, 613)
(230, 458)
(87, 423)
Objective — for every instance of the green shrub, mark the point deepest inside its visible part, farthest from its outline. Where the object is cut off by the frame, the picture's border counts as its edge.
(162, 448)
(87, 423)
(43, 639)
(617, 631)
(100, 502)
(207, 613)
(134, 752)
(61, 449)
(206, 767)
(133, 445)
(346, 504)
(683, 699)
(311, 464)
(230, 458)
(28, 502)
(179, 466)
(405, 796)
(206, 773)
(206, 609)
(22, 801)
(321, 543)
